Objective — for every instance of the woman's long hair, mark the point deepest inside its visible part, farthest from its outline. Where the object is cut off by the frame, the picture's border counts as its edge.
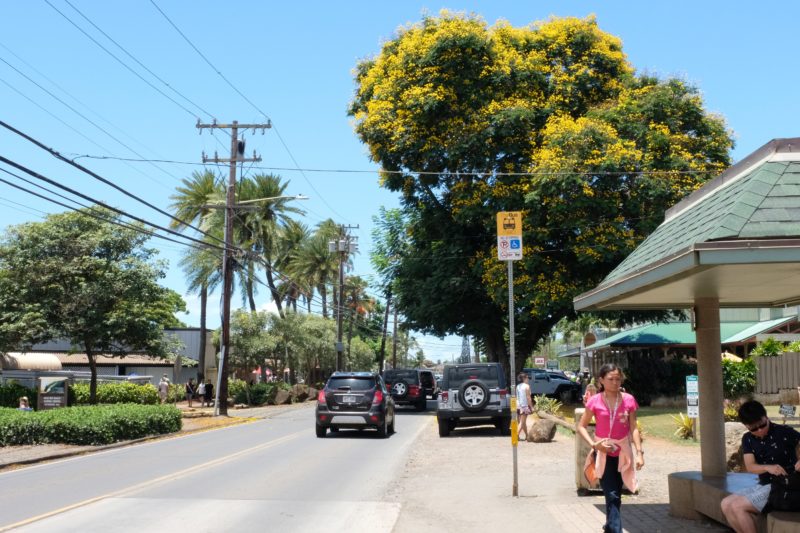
(605, 369)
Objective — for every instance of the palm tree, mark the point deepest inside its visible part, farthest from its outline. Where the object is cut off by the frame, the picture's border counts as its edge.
(189, 204)
(357, 302)
(316, 265)
(293, 286)
(260, 228)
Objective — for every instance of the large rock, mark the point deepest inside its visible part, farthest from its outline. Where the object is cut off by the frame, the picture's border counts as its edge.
(542, 431)
(312, 394)
(300, 392)
(733, 446)
(282, 397)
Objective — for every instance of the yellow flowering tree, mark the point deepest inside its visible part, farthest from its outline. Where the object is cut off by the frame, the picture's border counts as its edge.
(468, 119)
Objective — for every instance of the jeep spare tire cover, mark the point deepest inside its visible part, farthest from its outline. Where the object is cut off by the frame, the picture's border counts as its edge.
(400, 389)
(473, 395)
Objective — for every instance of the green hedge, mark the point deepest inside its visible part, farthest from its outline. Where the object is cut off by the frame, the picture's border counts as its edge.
(738, 379)
(260, 393)
(87, 425)
(10, 394)
(110, 393)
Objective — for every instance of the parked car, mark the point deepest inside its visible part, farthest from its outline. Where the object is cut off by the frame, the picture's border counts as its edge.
(554, 384)
(405, 387)
(428, 381)
(354, 400)
(473, 394)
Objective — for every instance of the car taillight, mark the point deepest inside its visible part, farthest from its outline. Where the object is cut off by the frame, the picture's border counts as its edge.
(321, 397)
(413, 390)
(503, 392)
(378, 398)
(444, 395)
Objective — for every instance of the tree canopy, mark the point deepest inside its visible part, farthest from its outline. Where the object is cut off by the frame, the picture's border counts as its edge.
(468, 119)
(84, 277)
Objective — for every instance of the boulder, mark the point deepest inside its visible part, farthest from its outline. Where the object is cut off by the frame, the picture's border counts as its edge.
(542, 431)
(312, 394)
(282, 397)
(300, 392)
(733, 446)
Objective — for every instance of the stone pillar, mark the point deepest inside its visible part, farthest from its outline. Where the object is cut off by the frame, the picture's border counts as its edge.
(709, 372)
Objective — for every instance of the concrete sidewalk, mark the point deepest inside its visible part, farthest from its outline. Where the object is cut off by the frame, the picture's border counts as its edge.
(464, 483)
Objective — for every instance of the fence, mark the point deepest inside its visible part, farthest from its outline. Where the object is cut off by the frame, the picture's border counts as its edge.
(779, 372)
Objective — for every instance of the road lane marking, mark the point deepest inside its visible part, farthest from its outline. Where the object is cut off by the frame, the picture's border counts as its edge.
(151, 482)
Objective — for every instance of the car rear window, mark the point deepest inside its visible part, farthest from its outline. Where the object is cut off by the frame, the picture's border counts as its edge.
(411, 376)
(365, 383)
(458, 375)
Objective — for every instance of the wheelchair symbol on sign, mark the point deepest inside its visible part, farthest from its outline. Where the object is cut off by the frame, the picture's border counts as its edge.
(515, 244)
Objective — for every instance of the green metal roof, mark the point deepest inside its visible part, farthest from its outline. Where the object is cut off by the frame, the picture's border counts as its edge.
(762, 203)
(682, 333)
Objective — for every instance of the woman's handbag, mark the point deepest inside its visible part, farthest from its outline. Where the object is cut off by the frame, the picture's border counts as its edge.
(785, 492)
(589, 470)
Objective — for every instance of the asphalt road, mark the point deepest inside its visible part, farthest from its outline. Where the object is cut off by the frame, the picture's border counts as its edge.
(272, 474)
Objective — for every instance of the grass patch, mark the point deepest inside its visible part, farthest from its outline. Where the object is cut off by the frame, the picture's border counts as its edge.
(658, 422)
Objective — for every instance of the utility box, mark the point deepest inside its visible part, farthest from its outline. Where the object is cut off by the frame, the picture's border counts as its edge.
(582, 449)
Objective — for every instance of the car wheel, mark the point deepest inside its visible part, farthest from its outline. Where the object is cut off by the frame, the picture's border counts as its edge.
(444, 428)
(473, 395)
(321, 430)
(400, 389)
(383, 429)
(564, 395)
(391, 426)
(422, 404)
(503, 425)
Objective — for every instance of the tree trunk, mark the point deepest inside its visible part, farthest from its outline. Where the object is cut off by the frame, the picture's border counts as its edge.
(275, 294)
(349, 338)
(394, 340)
(93, 371)
(382, 358)
(324, 293)
(201, 359)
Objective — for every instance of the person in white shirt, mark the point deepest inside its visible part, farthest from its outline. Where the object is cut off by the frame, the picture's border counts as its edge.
(524, 403)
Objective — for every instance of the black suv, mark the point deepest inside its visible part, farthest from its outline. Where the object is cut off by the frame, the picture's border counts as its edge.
(428, 381)
(354, 400)
(553, 384)
(473, 394)
(405, 386)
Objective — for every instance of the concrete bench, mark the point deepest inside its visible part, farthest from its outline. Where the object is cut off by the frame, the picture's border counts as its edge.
(694, 496)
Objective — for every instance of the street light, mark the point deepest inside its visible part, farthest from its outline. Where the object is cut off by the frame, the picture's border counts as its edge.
(243, 205)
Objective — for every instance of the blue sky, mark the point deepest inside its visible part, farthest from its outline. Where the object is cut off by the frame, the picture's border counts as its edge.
(294, 62)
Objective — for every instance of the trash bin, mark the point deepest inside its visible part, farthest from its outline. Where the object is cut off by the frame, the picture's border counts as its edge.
(582, 449)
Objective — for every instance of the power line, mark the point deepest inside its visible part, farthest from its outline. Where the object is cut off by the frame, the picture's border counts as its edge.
(422, 172)
(240, 93)
(102, 179)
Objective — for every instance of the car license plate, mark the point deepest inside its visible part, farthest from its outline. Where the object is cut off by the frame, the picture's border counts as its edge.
(350, 398)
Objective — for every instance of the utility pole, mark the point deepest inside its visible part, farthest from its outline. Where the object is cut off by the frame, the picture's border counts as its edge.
(344, 245)
(237, 156)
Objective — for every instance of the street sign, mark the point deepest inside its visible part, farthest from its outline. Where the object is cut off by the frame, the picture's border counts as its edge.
(552, 364)
(692, 397)
(538, 361)
(509, 235)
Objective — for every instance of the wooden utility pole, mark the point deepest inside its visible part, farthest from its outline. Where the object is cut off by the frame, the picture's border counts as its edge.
(237, 156)
(345, 244)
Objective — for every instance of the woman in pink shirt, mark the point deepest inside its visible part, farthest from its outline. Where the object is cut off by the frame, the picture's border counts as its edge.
(614, 413)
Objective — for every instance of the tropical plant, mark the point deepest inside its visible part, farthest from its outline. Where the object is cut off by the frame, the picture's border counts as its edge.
(738, 378)
(547, 405)
(730, 410)
(768, 348)
(684, 426)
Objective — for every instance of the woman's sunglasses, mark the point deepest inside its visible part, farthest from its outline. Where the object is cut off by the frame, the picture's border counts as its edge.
(758, 427)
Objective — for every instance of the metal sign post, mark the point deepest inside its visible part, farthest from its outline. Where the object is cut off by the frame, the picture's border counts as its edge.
(509, 249)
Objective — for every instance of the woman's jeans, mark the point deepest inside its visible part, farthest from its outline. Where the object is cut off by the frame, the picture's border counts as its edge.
(611, 482)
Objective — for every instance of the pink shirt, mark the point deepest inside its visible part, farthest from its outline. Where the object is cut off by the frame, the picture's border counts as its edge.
(602, 415)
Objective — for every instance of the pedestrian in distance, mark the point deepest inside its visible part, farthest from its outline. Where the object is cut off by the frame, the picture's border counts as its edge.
(24, 404)
(591, 390)
(190, 391)
(524, 404)
(768, 450)
(612, 458)
(209, 393)
(201, 391)
(163, 388)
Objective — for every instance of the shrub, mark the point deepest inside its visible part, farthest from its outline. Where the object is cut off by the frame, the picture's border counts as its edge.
(260, 393)
(10, 394)
(738, 379)
(730, 410)
(649, 376)
(87, 425)
(110, 393)
(548, 405)
(768, 348)
(685, 425)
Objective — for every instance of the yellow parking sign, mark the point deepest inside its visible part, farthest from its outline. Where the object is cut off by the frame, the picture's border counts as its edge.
(509, 235)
